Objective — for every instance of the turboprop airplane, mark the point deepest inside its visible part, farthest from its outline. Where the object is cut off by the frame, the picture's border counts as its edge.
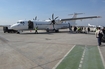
(91, 25)
(51, 24)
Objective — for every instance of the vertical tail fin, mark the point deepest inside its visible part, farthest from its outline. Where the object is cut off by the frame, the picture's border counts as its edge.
(89, 24)
(74, 16)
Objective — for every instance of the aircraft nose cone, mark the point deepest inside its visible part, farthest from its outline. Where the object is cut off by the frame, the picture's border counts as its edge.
(13, 27)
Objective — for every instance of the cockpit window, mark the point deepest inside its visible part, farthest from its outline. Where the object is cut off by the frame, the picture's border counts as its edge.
(21, 22)
(18, 22)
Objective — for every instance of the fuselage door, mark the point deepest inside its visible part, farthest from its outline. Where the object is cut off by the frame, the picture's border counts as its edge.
(30, 25)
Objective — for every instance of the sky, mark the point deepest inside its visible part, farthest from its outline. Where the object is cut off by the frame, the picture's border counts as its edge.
(13, 10)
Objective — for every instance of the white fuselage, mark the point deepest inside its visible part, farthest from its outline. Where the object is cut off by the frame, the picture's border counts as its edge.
(51, 24)
(42, 25)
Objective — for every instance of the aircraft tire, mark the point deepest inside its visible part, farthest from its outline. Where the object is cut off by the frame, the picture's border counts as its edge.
(47, 30)
(18, 32)
(4, 31)
(57, 30)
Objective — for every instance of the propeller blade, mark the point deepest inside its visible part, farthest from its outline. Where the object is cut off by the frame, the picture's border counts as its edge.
(36, 18)
(56, 18)
(52, 16)
(49, 18)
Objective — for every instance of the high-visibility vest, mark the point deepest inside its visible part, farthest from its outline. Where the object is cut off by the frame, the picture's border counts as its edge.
(36, 28)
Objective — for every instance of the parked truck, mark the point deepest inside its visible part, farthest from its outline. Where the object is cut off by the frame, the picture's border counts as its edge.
(7, 30)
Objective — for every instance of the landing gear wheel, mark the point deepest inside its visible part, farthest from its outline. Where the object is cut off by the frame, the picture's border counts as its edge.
(18, 32)
(56, 30)
(47, 30)
(4, 31)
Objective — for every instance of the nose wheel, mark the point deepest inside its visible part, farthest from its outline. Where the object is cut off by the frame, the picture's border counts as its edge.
(18, 32)
(56, 30)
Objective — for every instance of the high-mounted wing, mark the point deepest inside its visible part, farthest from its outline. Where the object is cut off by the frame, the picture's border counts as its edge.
(80, 18)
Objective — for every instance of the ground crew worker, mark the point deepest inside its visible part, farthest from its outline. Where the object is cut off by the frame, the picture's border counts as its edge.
(36, 28)
(99, 35)
(75, 28)
(96, 29)
(88, 29)
(79, 29)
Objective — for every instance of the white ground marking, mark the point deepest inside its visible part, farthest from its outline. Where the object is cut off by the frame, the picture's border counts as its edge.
(101, 57)
(82, 58)
(63, 57)
(81, 62)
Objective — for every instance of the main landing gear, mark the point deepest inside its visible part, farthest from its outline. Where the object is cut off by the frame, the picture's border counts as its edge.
(55, 30)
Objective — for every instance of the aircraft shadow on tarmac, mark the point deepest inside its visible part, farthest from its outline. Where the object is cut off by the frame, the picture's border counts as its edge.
(50, 33)
(35, 33)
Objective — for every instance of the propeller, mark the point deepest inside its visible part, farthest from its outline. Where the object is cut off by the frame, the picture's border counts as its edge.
(53, 22)
(35, 18)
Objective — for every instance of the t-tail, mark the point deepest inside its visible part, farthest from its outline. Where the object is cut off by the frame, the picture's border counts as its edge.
(73, 22)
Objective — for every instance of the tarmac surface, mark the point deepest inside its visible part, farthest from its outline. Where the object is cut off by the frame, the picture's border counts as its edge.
(40, 51)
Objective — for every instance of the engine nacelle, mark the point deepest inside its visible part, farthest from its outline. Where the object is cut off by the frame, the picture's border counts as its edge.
(58, 21)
